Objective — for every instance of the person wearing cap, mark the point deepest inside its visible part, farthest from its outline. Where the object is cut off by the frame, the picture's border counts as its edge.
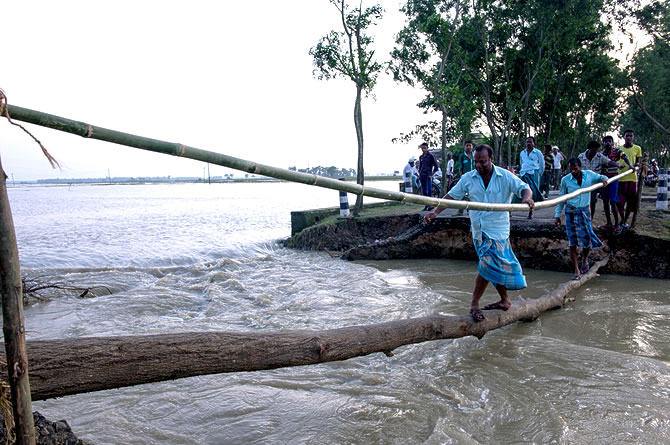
(407, 175)
(416, 184)
(450, 171)
(556, 168)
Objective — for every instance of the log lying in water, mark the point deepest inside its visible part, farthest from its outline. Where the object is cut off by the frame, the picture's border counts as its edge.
(78, 365)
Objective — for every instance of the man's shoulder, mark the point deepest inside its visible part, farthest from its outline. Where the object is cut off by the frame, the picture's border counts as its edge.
(504, 172)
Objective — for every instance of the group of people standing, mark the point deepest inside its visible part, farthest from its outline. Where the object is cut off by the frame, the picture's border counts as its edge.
(482, 181)
(619, 197)
(420, 172)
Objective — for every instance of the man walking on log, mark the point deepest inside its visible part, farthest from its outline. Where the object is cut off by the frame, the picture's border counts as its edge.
(577, 215)
(490, 230)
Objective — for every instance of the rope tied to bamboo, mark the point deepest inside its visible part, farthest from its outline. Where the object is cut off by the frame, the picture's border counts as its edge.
(4, 110)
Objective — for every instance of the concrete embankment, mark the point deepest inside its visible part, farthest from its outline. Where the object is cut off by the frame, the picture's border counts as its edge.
(537, 242)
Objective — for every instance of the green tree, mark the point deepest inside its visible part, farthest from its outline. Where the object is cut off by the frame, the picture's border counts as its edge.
(348, 53)
(650, 76)
(578, 97)
(423, 56)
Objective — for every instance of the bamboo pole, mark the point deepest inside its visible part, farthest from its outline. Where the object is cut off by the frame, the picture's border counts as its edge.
(180, 150)
(78, 365)
(12, 322)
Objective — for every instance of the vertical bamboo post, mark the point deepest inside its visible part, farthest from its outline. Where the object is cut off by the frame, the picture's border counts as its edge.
(644, 164)
(12, 322)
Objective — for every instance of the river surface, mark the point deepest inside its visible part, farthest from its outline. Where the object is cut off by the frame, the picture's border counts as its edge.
(198, 257)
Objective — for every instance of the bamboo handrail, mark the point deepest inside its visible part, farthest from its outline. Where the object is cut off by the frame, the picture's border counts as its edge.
(176, 149)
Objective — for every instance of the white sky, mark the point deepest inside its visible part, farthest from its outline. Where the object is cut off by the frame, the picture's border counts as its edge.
(233, 77)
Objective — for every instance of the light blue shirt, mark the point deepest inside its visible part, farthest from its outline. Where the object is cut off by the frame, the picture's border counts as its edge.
(502, 186)
(532, 163)
(569, 185)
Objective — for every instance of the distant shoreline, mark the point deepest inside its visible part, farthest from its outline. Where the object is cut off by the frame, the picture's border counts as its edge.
(166, 180)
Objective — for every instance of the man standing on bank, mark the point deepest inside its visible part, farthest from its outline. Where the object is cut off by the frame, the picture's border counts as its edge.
(593, 160)
(490, 230)
(465, 164)
(427, 169)
(628, 184)
(532, 166)
(577, 215)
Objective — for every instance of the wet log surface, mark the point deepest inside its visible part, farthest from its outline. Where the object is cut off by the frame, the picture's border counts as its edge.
(79, 365)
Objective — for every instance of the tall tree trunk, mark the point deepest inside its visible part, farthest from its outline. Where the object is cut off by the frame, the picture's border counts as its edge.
(443, 151)
(13, 326)
(557, 94)
(358, 122)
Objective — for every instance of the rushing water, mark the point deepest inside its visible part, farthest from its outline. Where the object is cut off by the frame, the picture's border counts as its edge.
(198, 257)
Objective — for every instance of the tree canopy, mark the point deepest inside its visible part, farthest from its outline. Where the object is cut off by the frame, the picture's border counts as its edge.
(538, 67)
(648, 81)
(348, 53)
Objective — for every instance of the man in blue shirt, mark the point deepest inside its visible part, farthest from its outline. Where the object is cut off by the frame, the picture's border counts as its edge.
(490, 230)
(577, 215)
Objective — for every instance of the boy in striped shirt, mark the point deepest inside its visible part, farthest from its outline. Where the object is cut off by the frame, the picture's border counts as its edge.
(610, 194)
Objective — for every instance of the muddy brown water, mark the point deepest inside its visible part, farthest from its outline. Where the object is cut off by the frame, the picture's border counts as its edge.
(193, 257)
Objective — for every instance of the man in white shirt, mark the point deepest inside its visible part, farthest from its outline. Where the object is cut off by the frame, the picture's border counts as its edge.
(593, 160)
(556, 170)
(407, 175)
(450, 170)
(532, 166)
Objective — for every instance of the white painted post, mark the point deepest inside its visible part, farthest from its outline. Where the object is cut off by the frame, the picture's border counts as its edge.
(662, 190)
(344, 204)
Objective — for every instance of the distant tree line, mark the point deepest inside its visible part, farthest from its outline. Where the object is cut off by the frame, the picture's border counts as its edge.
(330, 172)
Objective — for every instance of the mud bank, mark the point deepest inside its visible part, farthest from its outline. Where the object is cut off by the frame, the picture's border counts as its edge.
(537, 244)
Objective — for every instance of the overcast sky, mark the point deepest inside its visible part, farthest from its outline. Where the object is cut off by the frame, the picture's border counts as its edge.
(231, 77)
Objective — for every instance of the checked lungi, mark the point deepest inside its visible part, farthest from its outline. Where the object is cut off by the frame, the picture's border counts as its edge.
(498, 264)
(532, 181)
(579, 229)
